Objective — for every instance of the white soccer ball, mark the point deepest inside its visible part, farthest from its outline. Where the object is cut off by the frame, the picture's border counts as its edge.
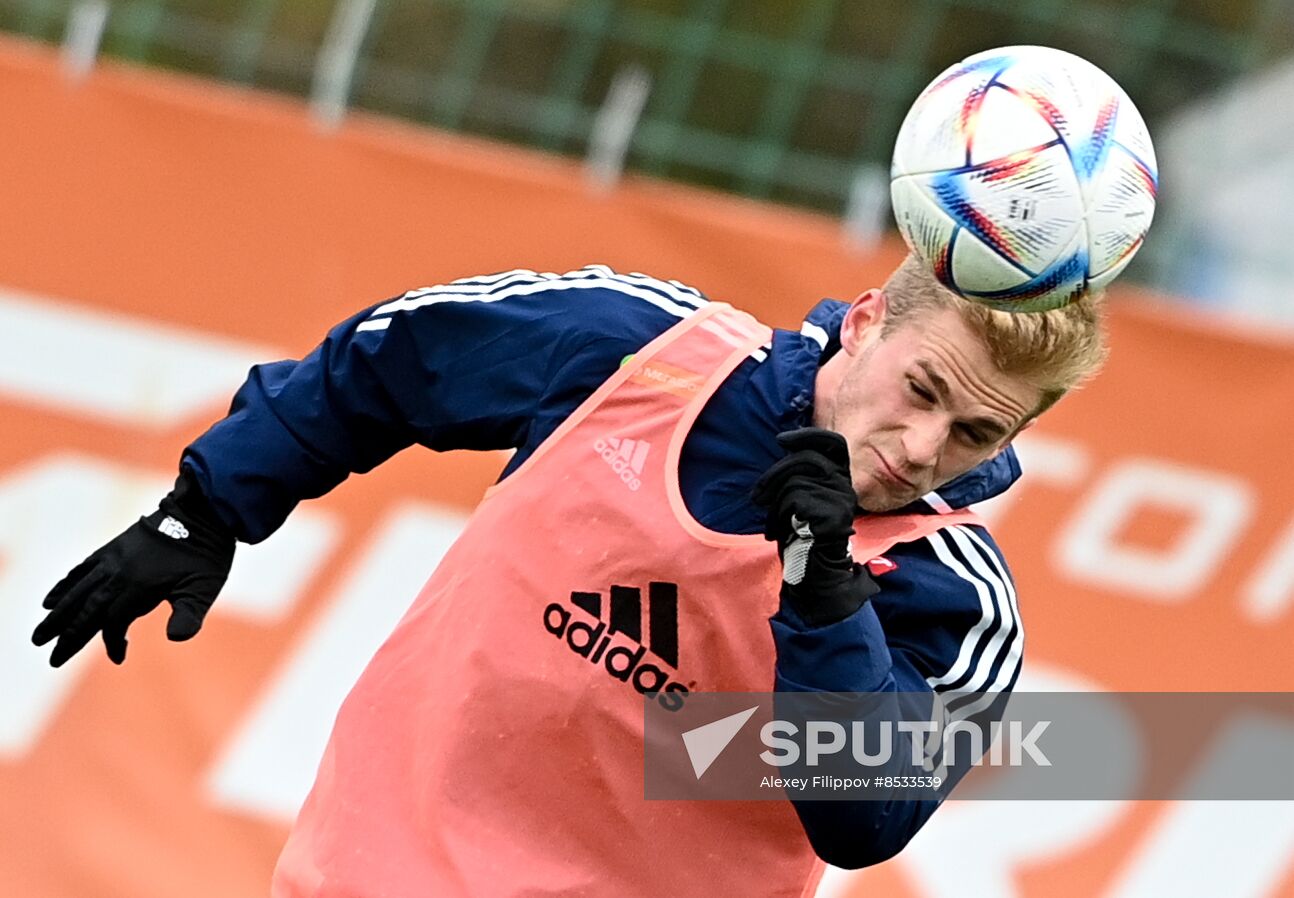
(1024, 177)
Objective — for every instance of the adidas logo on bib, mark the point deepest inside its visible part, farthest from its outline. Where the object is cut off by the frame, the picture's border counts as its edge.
(625, 457)
(626, 659)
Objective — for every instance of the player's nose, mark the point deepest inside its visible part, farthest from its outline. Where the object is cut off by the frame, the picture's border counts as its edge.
(923, 443)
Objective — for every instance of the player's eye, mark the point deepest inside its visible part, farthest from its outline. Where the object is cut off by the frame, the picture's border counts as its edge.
(920, 391)
(974, 436)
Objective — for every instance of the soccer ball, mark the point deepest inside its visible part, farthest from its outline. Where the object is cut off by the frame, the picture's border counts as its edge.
(1024, 178)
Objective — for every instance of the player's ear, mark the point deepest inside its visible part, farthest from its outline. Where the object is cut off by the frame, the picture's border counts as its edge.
(862, 324)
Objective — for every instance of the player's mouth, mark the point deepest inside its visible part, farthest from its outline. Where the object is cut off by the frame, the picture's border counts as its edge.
(889, 475)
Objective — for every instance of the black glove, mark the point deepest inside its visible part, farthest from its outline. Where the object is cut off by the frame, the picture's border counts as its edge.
(811, 506)
(181, 554)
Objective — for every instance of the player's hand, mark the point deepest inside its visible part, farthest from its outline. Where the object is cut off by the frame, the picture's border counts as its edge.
(179, 554)
(811, 507)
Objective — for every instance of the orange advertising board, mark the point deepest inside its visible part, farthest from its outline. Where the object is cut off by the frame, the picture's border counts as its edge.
(160, 235)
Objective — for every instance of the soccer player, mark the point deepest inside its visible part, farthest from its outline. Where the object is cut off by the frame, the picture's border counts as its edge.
(676, 461)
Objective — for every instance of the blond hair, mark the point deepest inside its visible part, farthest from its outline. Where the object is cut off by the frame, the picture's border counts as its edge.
(1054, 351)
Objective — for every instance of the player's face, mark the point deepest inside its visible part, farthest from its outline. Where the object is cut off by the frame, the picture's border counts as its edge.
(918, 407)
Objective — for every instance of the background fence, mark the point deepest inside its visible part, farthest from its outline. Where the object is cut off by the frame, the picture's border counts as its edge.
(785, 100)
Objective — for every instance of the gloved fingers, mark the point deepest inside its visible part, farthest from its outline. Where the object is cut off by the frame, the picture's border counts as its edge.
(114, 641)
(828, 511)
(78, 633)
(69, 644)
(190, 603)
(817, 439)
(69, 605)
(62, 586)
(127, 606)
(808, 491)
(91, 617)
(185, 621)
(803, 462)
(811, 466)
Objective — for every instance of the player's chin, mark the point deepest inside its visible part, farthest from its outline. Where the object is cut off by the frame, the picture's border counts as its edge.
(875, 497)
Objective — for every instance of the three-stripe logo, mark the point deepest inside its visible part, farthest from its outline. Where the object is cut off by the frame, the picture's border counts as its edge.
(626, 458)
(623, 659)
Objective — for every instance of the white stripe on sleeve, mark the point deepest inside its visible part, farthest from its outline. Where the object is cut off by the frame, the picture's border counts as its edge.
(984, 572)
(670, 296)
(1011, 660)
(988, 612)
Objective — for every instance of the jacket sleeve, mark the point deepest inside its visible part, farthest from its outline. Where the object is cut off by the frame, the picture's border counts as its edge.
(482, 363)
(946, 623)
